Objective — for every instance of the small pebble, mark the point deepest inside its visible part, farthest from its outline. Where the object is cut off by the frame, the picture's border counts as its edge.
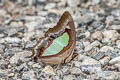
(75, 71)
(89, 65)
(97, 25)
(85, 43)
(110, 75)
(2, 35)
(30, 63)
(93, 44)
(118, 43)
(110, 35)
(76, 63)
(106, 48)
(85, 18)
(11, 75)
(12, 40)
(50, 6)
(2, 47)
(31, 25)
(28, 75)
(115, 27)
(14, 24)
(98, 55)
(115, 60)
(21, 67)
(112, 54)
(72, 3)
(49, 70)
(105, 60)
(87, 34)
(117, 65)
(94, 2)
(97, 35)
(68, 77)
(20, 56)
(109, 20)
(9, 66)
(80, 45)
(37, 65)
(20, 23)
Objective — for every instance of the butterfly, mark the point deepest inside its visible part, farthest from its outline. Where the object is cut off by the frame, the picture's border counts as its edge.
(58, 44)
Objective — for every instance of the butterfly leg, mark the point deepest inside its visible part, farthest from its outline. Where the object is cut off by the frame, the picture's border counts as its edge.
(74, 56)
(58, 66)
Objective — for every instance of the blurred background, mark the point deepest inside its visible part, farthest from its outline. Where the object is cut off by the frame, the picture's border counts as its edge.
(97, 22)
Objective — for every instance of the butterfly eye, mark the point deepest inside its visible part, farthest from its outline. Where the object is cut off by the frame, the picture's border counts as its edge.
(52, 36)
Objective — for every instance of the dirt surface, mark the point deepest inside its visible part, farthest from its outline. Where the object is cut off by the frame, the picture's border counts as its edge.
(97, 22)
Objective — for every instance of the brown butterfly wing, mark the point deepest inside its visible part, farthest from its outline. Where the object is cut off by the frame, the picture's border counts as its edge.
(65, 55)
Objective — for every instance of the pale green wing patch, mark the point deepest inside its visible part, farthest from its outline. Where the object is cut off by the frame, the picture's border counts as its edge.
(57, 45)
(68, 27)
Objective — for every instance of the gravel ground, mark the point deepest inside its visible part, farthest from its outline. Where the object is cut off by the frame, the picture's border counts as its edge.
(97, 25)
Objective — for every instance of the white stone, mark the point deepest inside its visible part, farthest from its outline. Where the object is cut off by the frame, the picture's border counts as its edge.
(11, 75)
(90, 65)
(29, 75)
(97, 35)
(20, 56)
(31, 25)
(73, 3)
(50, 6)
(115, 60)
(105, 48)
(68, 77)
(118, 43)
(14, 24)
(12, 40)
(37, 65)
(49, 70)
(87, 34)
(75, 70)
(85, 43)
(110, 35)
(118, 65)
(93, 44)
(104, 60)
(115, 27)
